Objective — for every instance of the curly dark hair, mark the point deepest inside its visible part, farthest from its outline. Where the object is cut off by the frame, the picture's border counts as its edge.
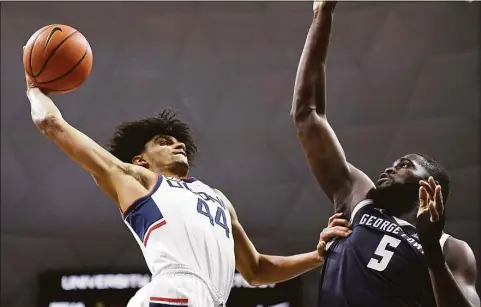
(438, 172)
(130, 138)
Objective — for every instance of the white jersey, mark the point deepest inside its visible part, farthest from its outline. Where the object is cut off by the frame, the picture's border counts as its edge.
(183, 221)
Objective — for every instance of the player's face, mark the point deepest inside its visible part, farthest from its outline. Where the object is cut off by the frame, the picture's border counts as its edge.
(165, 152)
(398, 187)
(406, 170)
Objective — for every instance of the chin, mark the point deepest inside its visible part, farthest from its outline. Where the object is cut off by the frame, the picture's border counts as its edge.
(181, 168)
(384, 185)
(393, 194)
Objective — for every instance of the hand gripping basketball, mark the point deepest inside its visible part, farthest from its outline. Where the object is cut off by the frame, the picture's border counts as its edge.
(57, 58)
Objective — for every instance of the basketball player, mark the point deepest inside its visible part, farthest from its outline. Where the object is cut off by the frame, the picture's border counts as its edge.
(397, 254)
(188, 232)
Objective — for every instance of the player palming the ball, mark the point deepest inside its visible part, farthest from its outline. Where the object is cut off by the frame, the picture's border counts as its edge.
(188, 232)
(58, 58)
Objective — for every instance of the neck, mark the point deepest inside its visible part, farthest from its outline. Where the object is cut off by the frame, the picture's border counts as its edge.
(170, 174)
(176, 171)
(409, 216)
(173, 173)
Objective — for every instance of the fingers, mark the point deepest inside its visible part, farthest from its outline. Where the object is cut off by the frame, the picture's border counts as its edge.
(433, 212)
(435, 202)
(339, 222)
(432, 183)
(430, 186)
(423, 198)
(336, 231)
(324, 5)
(427, 187)
(438, 200)
(28, 80)
(437, 195)
(321, 246)
(335, 216)
(430, 198)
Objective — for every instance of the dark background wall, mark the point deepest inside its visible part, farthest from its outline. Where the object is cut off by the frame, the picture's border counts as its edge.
(402, 77)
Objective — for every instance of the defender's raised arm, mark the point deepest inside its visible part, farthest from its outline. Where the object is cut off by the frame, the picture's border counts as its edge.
(343, 184)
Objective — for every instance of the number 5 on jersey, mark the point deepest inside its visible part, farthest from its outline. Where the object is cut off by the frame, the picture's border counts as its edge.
(381, 251)
(220, 218)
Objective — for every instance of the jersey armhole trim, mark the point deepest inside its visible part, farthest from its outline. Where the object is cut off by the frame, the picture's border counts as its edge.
(143, 198)
(443, 239)
(189, 179)
(358, 207)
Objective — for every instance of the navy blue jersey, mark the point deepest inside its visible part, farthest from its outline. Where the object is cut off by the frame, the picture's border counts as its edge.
(381, 264)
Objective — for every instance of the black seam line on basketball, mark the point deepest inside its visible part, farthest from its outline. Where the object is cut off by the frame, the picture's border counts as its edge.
(53, 52)
(68, 72)
(49, 38)
(31, 52)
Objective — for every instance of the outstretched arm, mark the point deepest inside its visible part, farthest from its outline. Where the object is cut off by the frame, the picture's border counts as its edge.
(83, 150)
(117, 179)
(343, 184)
(260, 269)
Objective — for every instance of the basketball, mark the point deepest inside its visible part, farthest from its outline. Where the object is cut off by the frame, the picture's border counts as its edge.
(57, 58)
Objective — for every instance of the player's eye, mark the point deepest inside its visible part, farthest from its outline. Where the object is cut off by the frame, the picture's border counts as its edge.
(162, 142)
(404, 165)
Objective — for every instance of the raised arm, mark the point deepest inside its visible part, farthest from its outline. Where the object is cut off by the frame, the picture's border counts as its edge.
(117, 179)
(260, 269)
(344, 184)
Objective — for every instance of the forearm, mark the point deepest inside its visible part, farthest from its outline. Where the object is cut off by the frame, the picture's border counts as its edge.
(447, 291)
(42, 107)
(274, 269)
(310, 78)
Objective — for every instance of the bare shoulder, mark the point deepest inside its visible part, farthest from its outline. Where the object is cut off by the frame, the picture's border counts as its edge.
(131, 183)
(145, 176)
(460, 257)
(454, 246)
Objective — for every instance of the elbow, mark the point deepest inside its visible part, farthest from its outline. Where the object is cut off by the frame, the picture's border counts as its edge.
(255, 283)
(301, 106)
(254, 280)
(305, 117)
(299, 115)
(48, 124)
(254, 276)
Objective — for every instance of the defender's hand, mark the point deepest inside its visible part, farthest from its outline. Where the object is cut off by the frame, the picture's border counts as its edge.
(337, 227)
(327, 6)
(431, 199)
(430, 216)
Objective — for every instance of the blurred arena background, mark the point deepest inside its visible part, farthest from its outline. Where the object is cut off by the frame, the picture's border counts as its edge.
(402, 77)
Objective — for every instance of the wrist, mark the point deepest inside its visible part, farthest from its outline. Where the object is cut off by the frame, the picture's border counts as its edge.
(433, 255)
(316, 259)
(32, 91)
(322, 12)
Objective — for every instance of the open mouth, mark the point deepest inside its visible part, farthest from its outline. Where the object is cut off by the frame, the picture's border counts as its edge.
(382, 180)
(384, 177)
(181, 153)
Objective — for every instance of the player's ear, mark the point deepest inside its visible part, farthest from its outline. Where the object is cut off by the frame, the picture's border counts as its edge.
(140, 161)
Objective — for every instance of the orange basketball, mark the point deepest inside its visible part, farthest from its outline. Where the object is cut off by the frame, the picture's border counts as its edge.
(58, 58)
